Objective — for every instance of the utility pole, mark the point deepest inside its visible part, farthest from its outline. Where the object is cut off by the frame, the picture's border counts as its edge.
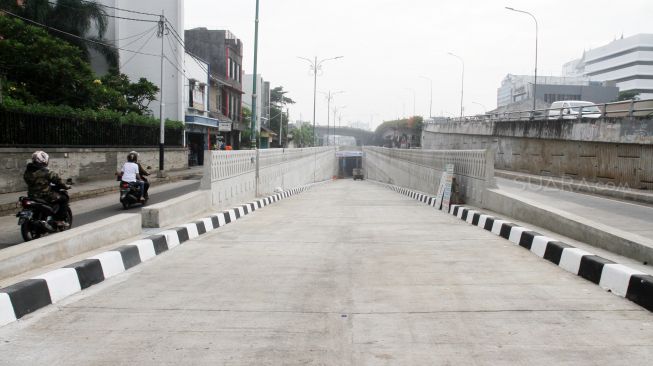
(162, 137)
(253, 135)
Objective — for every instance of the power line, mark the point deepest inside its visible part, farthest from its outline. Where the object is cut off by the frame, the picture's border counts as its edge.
(140, 49)
(110, 16)
(119, 9)
(132, 36)
(73, 35)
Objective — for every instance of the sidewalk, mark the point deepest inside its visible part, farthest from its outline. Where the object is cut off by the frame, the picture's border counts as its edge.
(99, 187)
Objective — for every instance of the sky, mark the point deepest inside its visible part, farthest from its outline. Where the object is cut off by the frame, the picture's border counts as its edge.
(390, 46)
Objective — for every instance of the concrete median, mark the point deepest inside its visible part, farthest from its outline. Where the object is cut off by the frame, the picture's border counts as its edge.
(573, 226)
(50, 249)
(176, 210)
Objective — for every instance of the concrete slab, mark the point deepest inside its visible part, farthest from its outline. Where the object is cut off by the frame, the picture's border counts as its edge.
(348, 273)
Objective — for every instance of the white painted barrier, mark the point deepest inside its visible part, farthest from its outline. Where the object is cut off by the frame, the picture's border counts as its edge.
(231, 175)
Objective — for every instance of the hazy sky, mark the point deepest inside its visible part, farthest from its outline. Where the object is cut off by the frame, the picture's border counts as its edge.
(388, 44)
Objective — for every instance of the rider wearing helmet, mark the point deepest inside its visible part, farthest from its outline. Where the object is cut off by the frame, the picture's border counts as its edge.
(38, 178)
(143, 173)
(129, 173)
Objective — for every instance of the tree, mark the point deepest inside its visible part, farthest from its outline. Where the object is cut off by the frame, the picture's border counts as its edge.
(76, 17)
(302, 135)
(131, 97)
(40, 68)
(278, 96)
(628, 95)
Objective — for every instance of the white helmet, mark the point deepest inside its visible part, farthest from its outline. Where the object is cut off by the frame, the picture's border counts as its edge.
(40, 158)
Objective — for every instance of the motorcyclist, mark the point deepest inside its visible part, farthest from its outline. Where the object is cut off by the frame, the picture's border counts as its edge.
(38, 178)
(143, 173)
(130, 173)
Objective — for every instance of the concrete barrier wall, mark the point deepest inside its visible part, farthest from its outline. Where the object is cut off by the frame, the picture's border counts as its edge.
(50, 249)
(81, 164)
(618, 164)
(231, 175)
(422, 169)
(616, 151)
(176, 209)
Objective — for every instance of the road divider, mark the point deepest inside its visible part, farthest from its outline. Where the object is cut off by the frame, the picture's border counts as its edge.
(53, 248)
(173, 210)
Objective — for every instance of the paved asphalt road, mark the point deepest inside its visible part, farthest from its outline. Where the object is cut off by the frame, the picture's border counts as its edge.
(347, 273)
(98, 208)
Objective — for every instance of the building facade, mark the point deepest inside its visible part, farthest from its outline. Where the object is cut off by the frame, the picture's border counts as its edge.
(262, 104)
(224, 54)
(140, 48)
(515, 89)
(627, 62)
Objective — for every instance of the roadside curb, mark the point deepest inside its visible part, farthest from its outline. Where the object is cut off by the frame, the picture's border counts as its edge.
(619, 279)
(40, 291)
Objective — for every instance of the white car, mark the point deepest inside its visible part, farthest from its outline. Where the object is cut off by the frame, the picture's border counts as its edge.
(569, 109)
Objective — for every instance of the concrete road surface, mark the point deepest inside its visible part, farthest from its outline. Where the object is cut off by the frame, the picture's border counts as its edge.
(98, 208)
(348, 273)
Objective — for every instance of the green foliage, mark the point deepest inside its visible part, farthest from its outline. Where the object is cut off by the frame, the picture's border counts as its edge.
(12, 105)
(628, 95)
(278, 96)
(76, 17)
(413, 123)
(40, 68)
(303, 135)
(43, 69)
(277, 116)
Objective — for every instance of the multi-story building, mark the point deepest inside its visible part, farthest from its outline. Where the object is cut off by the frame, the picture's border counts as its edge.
(627, 62)
(224, 54)
(262, 104)
(515, 89)
(140, 47)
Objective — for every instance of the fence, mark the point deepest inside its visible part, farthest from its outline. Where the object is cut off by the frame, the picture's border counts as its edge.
(23, 129)
(422, 169)
(231, 175)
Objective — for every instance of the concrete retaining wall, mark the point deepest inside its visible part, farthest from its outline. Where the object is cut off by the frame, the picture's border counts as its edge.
(617, 151)
(81, 164)
(422, 169)
(231, 175)
(50, 249)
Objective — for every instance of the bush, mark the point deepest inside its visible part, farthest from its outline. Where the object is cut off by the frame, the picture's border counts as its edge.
(12, 105)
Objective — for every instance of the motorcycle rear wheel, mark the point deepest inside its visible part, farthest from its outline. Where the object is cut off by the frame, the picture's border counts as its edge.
(28, 232)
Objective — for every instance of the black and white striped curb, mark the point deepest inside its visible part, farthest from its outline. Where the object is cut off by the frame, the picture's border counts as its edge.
(30, 295)
(619, 279)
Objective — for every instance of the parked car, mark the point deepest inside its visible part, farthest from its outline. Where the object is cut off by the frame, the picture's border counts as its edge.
(569, 109)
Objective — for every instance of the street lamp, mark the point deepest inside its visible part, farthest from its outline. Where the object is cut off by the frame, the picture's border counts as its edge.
(316, 66)
(431, 100)
(335, 110)
(462, 82)
(330, 96)
(252, 137)
(536, 31)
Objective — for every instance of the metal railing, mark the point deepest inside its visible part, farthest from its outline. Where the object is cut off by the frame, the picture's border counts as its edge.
(23, 129)
(629, 108)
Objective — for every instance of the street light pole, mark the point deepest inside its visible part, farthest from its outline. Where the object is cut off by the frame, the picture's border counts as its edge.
(316, 66)
(431, 100)
(462, 83)
(536, 32)
(253, 137)
(330, 96)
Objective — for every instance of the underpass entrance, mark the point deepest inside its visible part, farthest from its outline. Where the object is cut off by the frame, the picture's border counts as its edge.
(347, 161)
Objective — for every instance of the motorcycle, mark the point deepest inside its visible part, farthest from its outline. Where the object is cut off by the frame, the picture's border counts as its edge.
(130, 193)
(36, 219)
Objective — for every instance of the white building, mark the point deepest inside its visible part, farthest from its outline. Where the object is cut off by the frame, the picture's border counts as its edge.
(141, 47)
(628, 62)
(248, 81)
